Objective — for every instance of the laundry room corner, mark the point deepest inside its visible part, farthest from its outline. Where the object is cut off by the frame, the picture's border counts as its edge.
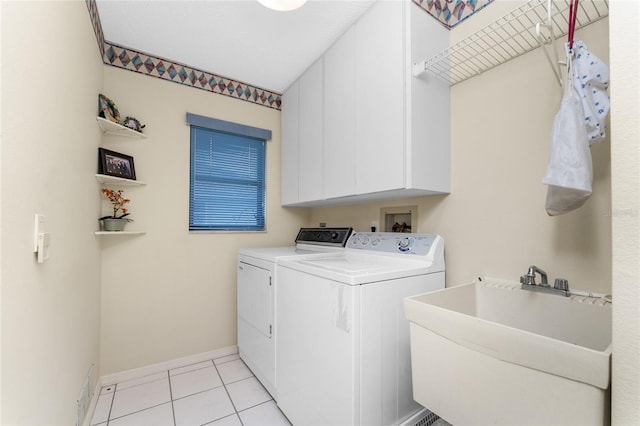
(170, 288)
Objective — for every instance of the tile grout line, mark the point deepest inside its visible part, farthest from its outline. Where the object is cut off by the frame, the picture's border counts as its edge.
(257, 405)
(198, 393)
(229, 395)
(139, 411)
(113, 397)
(173, 410)
(169, 377)
(140, 384)
(252, 376)
(228, 361)
(217, 420)
(190, 371)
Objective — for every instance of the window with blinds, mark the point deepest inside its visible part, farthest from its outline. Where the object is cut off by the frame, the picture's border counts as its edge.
(227, 183)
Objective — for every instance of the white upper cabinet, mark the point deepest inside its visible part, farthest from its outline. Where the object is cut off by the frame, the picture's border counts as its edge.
(302, 138)
(428, 108)
(339, 117)
(367, 129)
(289, 145)
(380, 99)
(310, 134)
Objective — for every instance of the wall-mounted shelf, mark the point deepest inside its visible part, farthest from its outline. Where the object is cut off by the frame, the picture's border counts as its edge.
(110, 128)
(119, 233)
(510, 36)
(113, 180)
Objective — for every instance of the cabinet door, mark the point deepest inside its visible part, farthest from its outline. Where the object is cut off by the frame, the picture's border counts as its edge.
(289, 146)
(429, 162)
(380, 99)
(340, 117)
(311, 134)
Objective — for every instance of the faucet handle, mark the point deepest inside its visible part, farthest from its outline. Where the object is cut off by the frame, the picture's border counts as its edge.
(561, 284)
(528, 279)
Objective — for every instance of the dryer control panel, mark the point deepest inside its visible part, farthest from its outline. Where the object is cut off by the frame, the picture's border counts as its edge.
(336, 237)
(393, 242)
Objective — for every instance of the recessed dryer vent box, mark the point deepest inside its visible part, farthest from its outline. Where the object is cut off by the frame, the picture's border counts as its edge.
(399, 219)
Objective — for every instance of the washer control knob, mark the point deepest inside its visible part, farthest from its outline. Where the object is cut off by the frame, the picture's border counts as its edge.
(365, 240)
(405, 244)
(375, 241)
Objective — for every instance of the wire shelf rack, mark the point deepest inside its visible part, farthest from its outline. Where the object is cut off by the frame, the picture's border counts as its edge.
(508, 37)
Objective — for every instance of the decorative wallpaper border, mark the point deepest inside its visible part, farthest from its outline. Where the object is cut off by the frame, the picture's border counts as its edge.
(451, 12)
(448, 12)
(95, 22)
(165, 69)
(154, 66)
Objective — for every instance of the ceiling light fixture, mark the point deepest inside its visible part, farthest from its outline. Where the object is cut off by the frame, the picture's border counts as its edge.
(282, 5)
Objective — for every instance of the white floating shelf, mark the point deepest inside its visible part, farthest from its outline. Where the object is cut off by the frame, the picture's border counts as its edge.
(118, 180)
(119, 232)
(108, 127)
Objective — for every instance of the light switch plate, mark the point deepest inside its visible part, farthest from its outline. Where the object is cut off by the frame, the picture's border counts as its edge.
(44, 239)
(38, 229)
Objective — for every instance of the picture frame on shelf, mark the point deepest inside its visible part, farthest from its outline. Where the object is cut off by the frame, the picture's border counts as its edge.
(112, 163)
(108, 109)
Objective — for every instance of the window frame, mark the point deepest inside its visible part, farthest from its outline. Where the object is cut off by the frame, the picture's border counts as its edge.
(235, 130)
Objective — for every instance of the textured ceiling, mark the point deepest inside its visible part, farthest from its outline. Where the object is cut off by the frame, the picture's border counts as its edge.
(239, 39)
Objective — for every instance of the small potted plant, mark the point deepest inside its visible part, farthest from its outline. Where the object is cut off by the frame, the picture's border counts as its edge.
(117, 220)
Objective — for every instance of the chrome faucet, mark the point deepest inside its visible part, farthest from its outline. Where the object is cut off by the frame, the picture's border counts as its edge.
(530, 277)
(528, 281)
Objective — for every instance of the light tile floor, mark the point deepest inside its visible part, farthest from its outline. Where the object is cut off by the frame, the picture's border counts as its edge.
(222, 391)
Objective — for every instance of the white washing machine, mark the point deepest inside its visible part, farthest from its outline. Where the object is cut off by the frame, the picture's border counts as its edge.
(256, 287)
(343, 354)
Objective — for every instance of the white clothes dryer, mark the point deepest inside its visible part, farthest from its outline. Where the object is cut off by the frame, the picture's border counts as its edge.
(343, 355)
(256, 289)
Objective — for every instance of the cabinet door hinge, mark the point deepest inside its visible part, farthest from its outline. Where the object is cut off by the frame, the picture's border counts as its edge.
(269, 280)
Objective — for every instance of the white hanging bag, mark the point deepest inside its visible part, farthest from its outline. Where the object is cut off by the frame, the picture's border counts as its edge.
(591, 81)
(569, 171)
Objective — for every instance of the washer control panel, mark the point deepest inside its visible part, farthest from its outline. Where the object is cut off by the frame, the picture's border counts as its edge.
(392, 242)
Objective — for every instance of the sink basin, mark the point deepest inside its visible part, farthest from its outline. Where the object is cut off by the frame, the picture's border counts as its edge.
(491, 353)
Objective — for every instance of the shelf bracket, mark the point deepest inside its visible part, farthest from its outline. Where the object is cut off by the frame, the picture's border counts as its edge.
(550, 39)
(419, 68)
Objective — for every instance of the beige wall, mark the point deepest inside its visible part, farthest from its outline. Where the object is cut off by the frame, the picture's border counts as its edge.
(494, 222)
(171, 293)
(625, 164)
(51, 76)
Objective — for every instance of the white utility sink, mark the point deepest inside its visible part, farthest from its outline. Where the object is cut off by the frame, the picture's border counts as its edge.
(491, 353)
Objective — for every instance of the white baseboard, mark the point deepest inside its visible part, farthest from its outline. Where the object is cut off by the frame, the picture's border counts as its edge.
(135, 373)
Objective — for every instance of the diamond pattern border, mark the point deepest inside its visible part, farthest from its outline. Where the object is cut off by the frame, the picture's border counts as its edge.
(153, 66)
(451, 12)
(448, 12)
(165, 69)
(95, 23)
